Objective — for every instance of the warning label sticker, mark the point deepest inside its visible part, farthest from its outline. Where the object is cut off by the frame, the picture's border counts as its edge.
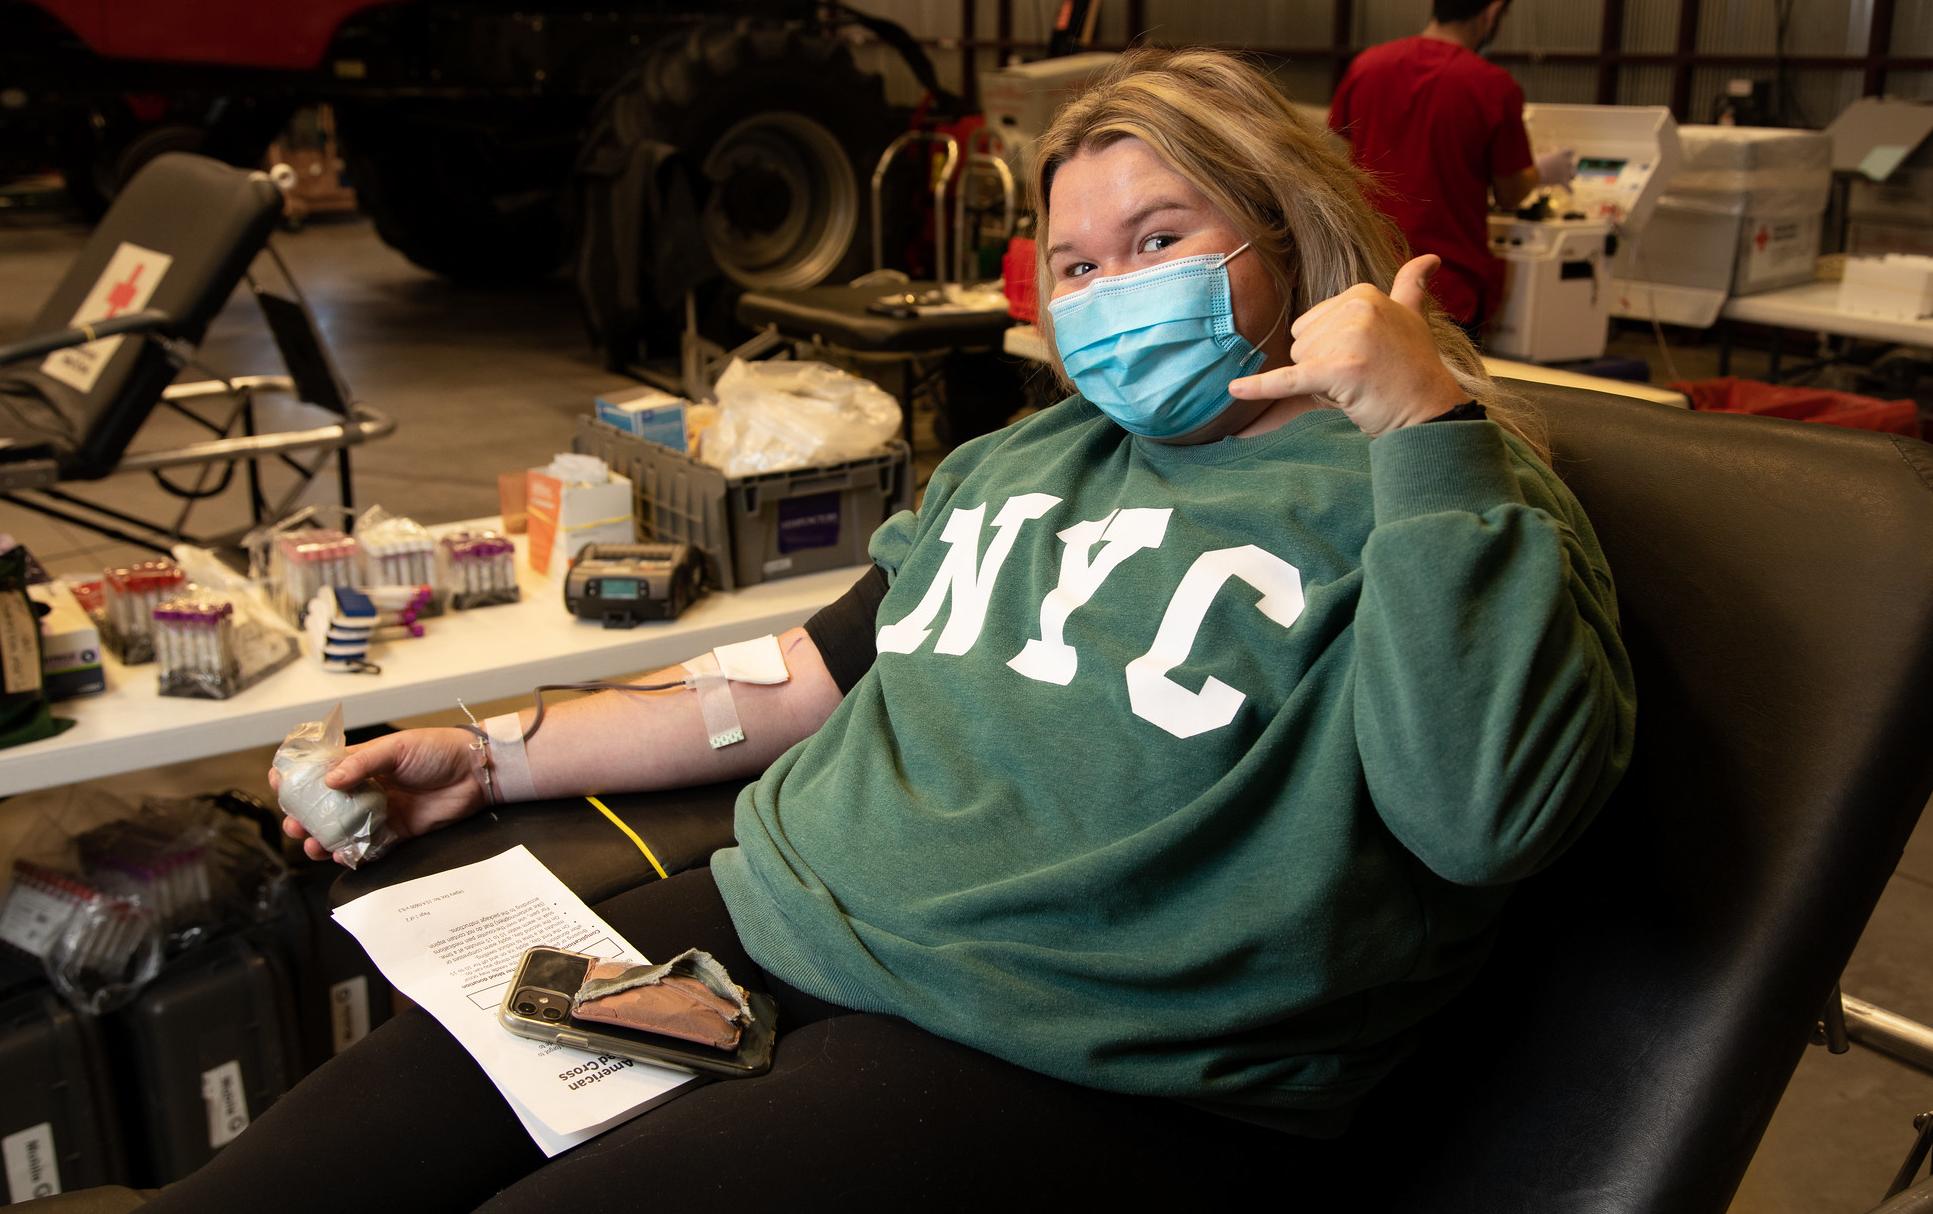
(125, 286)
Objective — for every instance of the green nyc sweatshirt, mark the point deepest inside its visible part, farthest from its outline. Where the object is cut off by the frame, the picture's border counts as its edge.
(1196, 771)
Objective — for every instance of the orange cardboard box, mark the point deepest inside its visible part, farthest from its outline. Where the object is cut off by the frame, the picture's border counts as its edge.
(563, 518)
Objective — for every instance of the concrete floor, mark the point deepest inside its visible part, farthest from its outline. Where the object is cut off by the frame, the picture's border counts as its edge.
(488, 381)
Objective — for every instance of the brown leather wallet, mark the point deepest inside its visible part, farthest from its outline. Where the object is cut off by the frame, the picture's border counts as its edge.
(689, 997)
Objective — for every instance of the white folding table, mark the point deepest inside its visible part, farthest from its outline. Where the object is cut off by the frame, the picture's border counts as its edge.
(1813, 307)
(482, 654)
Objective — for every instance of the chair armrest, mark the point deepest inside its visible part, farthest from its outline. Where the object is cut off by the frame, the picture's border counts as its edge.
(589, 854)
(146, 321)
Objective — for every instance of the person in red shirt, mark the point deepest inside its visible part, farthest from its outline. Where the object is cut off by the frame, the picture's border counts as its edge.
(1441, 129)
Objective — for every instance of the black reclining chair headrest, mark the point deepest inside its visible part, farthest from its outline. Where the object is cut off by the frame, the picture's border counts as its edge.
(177, 239)
(1652, 992)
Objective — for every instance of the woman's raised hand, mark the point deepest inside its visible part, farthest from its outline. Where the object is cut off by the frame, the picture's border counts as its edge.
(1369, 354)
(429, 776)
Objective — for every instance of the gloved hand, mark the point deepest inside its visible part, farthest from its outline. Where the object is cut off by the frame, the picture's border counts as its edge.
(1558, 167)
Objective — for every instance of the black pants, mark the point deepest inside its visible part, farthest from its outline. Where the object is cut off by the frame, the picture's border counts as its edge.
(858, 1112)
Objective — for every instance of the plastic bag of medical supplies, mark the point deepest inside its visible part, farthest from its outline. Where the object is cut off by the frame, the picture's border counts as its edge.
(351, 824)
(780, 415)
(99, 894)
(247, 641)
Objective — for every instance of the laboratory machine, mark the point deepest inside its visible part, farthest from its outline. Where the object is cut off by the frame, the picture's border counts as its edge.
(1557, 251)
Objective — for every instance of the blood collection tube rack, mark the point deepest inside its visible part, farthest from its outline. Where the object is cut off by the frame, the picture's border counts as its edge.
(304, 562)
(478, 568)
(130, 593)
(195, 645)
(398, 552)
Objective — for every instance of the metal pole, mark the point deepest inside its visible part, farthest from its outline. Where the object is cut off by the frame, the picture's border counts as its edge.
(1610, 41)
(1342, 39)
(1879, 43)
(1890, 1033)
(1681, 60)
(969, 56)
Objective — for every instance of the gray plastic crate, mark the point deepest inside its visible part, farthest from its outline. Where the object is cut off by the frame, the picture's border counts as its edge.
(753, 529)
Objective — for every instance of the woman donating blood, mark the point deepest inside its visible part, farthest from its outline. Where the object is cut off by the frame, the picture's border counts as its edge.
(1126, 823)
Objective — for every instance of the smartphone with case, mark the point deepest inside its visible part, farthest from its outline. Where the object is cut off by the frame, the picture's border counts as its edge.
(538, 1005)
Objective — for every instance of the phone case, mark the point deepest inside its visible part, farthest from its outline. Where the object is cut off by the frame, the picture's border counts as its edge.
(753, 1056)
(675, 1005)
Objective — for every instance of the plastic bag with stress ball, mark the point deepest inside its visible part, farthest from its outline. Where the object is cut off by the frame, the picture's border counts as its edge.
(351, 824)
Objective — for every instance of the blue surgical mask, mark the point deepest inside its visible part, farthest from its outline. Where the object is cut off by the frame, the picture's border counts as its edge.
(1156, 349)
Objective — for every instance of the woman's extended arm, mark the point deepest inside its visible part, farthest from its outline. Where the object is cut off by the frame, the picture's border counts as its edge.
(641, 741)
(609, 742)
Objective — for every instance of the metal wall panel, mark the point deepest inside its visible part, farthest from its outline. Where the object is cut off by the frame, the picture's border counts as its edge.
(1644, 86)
(1530, 25)
(1304, 82)
(923, 18)
(1748, 27)
(1572, 84)
(1575, 25)
(1385, 20)
(1033, 20)
(1651, 26)
(1240, 22)
(1912, 30)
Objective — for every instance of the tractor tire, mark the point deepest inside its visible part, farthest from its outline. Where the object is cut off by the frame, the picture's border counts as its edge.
(473, 197)
(783, 131)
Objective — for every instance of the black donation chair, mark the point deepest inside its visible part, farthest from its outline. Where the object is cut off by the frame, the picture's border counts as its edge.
(1651, 993)
(124, 322)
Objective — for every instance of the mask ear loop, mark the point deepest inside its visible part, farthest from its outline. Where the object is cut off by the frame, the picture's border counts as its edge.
(1279, 317)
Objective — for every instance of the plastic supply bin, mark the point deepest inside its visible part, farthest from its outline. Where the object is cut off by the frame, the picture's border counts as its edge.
(752, 529)
(58, 1126)
(1733, 395)
(207, 1047)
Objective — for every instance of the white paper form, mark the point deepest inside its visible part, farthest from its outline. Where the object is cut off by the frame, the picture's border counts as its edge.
(452, 941)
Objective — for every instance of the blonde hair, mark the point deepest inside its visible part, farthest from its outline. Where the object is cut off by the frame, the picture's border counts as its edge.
(1217, 120)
